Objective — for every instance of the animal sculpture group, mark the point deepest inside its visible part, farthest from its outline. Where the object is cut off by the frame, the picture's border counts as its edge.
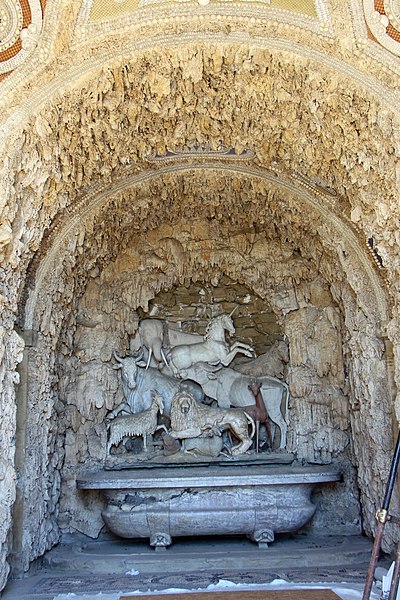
(186, 375)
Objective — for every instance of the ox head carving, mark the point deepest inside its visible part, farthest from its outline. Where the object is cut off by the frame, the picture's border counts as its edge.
(137, 356)
(129, 368)
(119, 360)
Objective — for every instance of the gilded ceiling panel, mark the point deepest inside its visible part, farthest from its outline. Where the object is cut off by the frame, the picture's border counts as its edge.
(102, 16)
(103, 10)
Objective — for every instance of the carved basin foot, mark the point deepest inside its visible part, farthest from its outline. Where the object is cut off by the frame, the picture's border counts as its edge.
(160, 541)
(263, 537)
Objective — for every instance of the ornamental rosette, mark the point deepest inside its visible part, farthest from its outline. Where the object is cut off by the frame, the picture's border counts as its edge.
(20, 27)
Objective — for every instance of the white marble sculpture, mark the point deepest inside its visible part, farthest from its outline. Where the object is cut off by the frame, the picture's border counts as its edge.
(191, 419)
(213, 350)
(157, 337)
(140, 424)
(231, 388)
(197, 371)
(138, 382)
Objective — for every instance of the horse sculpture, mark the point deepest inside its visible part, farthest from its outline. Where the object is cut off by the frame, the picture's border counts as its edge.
(157, 336)
(213, 349)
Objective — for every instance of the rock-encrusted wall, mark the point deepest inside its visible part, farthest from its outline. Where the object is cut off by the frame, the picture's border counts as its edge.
(117, 123)
(11, 348)
(304, 319)
(192, 307)
(118, 262)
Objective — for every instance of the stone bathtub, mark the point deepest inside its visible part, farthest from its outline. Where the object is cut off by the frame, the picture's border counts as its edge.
(160, 504)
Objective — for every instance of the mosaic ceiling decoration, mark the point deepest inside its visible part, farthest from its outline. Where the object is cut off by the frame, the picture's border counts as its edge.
(383, 20)
(101, 9)
(21, 20)
(96, 16)
(20, 27)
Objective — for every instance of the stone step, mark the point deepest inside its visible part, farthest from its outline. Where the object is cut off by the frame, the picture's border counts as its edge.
(211, 554)
(84, 570)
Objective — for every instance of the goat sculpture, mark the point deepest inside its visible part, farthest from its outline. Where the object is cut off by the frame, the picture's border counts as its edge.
(139, 424)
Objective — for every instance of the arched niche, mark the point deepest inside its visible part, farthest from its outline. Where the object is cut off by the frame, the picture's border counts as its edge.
(181, 226)
(85, 130)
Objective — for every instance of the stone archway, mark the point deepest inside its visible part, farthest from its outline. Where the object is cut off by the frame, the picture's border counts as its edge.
(195, 224)
(317, 201)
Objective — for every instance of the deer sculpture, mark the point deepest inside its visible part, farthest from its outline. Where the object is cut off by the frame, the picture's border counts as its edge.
(259, 412)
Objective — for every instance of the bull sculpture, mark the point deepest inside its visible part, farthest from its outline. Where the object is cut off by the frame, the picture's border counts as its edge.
(138, 383)
(231, 388)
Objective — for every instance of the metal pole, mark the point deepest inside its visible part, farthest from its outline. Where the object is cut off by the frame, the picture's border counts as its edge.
(382, 517)
(394, 585)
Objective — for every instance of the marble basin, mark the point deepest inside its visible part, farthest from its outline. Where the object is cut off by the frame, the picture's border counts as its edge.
(160, 504)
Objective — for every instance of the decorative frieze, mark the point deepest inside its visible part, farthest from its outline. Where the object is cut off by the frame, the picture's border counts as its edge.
(96, 17)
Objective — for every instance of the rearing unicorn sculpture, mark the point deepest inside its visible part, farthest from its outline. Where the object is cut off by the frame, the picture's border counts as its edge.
(213, 350)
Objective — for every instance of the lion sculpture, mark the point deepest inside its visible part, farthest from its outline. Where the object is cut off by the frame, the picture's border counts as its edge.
(192, 419)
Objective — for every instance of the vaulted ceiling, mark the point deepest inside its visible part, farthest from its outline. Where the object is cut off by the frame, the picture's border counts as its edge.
(97, 96)
(368, 26)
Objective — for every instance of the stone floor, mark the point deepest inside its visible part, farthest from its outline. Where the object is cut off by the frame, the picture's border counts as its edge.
(79, 568)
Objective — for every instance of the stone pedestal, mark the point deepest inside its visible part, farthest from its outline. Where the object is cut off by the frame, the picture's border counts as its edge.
(163, 503)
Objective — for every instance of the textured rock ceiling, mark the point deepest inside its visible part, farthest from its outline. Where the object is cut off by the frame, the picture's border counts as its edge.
(177, 142)
(176, 107)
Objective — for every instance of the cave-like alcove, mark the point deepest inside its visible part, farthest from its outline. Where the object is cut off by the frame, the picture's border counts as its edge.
(184, 149)
(183, 245)
(300, 345)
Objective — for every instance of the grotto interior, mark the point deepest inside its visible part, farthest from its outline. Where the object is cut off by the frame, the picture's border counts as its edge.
(180, 177)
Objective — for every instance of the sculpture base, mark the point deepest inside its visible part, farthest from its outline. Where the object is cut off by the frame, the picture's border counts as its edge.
(161, 504)
(182, 459)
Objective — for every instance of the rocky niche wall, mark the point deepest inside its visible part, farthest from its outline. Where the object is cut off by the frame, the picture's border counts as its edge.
(115, 264)
(305, 121)
(296, 331)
